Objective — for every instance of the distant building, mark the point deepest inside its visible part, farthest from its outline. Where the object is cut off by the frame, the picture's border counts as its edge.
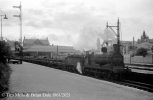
(144, 42)
(151, 41)
(98, 50)
(42, 48)
(126, 46)
(33, 42)
(143, 38)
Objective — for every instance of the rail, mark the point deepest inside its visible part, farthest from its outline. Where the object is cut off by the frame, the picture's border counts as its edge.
(138, 85)
(140, 64)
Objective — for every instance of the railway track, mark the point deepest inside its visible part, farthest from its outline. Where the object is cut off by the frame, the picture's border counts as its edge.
(139, 85)
(141, 68)
(131, 83)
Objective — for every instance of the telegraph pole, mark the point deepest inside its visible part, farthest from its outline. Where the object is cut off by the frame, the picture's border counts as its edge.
(20, 18)
(118, 33)
(57, 53)
(5, 17)
(152, 54)
(20, 40)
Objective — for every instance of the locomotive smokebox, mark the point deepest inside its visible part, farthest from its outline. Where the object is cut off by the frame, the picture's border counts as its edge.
(115, 47)
(104, 49)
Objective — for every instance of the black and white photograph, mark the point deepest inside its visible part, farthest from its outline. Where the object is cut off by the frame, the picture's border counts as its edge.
(76, 50)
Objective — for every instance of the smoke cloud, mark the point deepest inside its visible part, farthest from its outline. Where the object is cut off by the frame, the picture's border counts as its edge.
(88, 36)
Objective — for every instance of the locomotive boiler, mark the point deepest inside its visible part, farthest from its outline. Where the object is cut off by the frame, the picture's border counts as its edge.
(114, 57)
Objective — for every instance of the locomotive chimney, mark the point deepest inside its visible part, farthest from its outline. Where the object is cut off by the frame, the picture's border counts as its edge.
(115, 47)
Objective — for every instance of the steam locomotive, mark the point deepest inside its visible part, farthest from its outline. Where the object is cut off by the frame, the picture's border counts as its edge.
(109, 65)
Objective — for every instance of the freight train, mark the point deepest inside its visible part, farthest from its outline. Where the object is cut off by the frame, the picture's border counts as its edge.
(109, 65)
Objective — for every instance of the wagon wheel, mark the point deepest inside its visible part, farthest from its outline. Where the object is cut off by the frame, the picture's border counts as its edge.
(96, 74)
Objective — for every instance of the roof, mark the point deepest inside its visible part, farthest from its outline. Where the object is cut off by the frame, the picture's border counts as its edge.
(50, 48)
(126, 41)
(32, 42)
(151, 40)
(145, 45)
(37, 48)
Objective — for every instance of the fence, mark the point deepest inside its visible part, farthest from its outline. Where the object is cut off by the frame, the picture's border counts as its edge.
(138, 59)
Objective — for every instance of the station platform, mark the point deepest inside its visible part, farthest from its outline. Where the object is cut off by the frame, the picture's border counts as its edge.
(140, 64)
(142, 71)
(35, 82)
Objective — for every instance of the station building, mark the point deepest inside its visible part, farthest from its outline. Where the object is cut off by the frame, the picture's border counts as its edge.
(42, 48)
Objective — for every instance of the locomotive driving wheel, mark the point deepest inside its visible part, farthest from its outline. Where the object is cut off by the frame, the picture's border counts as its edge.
(96, 75)
(108, 75)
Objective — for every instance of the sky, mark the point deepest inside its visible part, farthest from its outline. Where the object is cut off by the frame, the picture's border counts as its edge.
(77, 23)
